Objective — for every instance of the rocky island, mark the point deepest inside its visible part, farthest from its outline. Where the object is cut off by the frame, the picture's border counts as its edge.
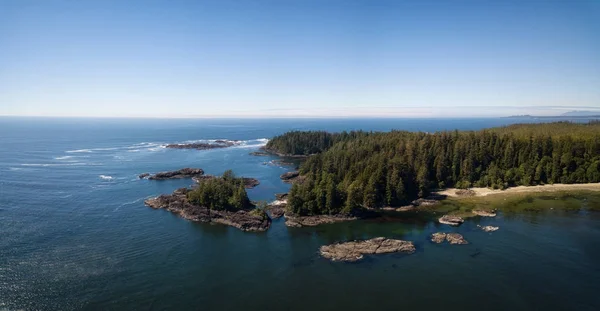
(452, 238)
(355, 250)
(220, 200)
(205, 146)
(178, 174)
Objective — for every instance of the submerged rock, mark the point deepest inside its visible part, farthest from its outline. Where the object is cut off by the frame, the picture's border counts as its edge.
(182, 173)
(488, 228)
(438, 237)
(354, 250)
(177, 203)
(451, 220)
(484, 213)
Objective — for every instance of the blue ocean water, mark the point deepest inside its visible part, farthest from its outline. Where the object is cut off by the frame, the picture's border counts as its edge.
(75, 233)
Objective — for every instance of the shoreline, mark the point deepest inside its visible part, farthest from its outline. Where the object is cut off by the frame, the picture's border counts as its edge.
(483, 192)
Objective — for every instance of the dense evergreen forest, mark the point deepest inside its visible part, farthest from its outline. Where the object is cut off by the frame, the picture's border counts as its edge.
(350, 171)
(224, 193)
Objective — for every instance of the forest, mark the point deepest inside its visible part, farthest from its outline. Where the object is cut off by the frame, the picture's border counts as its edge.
(353, 170)
(224, 193)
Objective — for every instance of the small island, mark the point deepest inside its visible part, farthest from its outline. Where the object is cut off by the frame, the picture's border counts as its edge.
(355, 250)
(220, 200)
(205, 146)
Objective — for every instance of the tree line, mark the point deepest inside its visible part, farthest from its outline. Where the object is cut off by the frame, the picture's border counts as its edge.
(371, 169)
(222, 193)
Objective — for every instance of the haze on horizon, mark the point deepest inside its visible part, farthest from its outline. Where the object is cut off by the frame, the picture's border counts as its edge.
(299, 58)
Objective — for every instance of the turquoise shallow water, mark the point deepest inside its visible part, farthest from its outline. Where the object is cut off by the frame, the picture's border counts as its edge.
(75, 234)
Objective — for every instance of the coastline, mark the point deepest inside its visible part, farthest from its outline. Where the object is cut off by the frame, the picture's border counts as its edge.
(482, 192)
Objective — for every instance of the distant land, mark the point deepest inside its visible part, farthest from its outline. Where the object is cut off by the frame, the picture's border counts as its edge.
(569, 114)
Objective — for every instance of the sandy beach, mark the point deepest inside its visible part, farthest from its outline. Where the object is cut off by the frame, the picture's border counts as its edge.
(481, 192)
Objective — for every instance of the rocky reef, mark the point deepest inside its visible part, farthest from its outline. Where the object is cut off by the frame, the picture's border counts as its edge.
(452, 238)
(355, 250)
(177, 203)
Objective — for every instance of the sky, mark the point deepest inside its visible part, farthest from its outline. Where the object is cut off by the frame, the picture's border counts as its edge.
(302, 58)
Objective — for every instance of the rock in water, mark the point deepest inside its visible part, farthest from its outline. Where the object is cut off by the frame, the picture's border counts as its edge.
(182, 173)
(354, 250)
(290, 176)
(144, 175)
(451, 220)
(438, 237)
(455, 238)
(484, 213)
(488, 228)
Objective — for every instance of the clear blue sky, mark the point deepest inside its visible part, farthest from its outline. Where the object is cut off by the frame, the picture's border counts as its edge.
(298, 58)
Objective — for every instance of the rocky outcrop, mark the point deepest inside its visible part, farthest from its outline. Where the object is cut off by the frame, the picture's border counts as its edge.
(289, 176)
(488, 228)
(355, 250)
(205, 146)
(178, 203)
(249, 182)
(425, 202)
(438, 237)
(182, 173)
(484, 213)
(455, 238)
(281, 196)
(143, 175)
(452, 238)
(451, 220)
(311, 221)
(259, 153)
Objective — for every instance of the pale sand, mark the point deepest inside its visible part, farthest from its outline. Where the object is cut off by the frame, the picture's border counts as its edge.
(481, 192)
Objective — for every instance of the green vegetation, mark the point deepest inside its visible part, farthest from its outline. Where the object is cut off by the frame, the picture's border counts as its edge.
(224, 193)
(359, 169)
(308, 143)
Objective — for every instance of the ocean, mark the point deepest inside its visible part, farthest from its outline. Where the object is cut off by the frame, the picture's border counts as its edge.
(75, 234)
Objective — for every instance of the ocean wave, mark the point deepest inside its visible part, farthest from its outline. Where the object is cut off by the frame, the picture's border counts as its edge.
(79, 151)
(106, 177)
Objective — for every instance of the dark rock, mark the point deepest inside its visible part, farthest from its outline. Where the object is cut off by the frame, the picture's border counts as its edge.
(311, 221)
(291, 177)
(281, 196)
(177, 203)
(354, 250)
(182, 173)
(144, 175)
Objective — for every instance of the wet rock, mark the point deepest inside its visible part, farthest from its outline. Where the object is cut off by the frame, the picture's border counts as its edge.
(451, 220)
(455, 238)
(289, 177)
(311, 221)
(438, 237)
(144, 175)
(182, 173)
(354, 250)
(488, 228)
(484, 213)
